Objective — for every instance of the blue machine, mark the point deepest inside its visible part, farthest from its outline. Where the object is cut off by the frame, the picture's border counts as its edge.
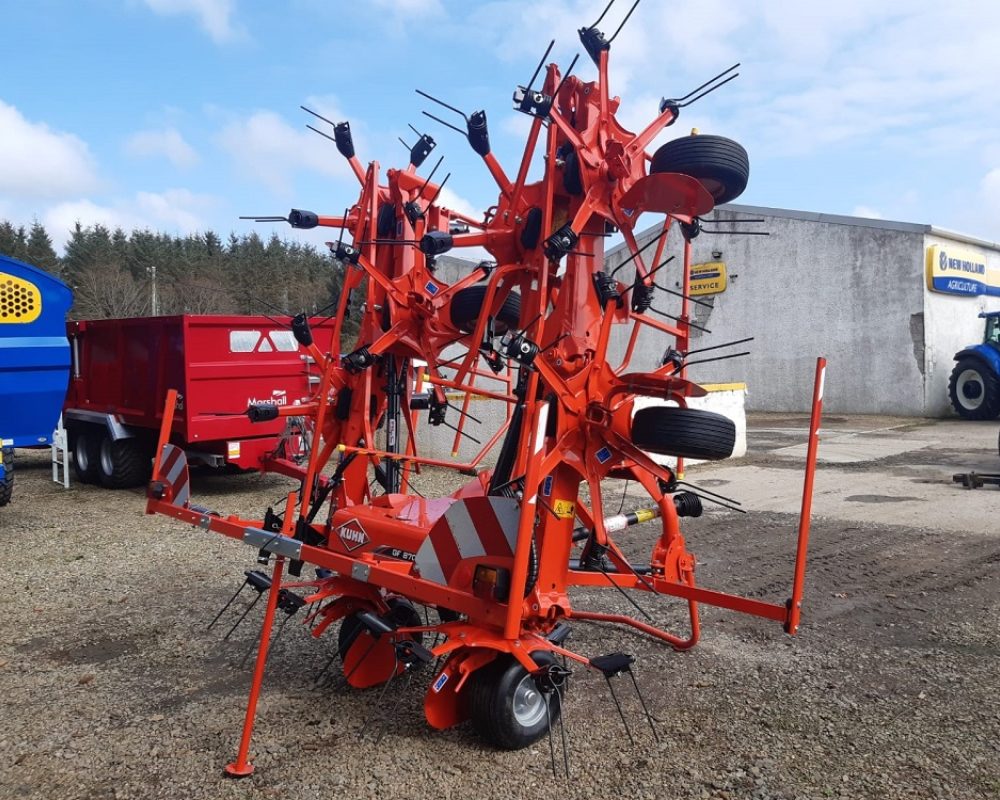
(34, 360)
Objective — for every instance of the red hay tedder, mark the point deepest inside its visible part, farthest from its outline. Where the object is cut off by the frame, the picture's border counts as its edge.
(496, 558)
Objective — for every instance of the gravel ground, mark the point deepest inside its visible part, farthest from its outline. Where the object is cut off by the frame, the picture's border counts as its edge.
(113, 688)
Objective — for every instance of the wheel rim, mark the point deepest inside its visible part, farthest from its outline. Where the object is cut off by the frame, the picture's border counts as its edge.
(529, 705)
(970, 390)
(107, 462)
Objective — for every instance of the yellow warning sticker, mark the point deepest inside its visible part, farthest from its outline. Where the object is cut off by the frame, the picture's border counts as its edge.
(644, 515)
(564, 509)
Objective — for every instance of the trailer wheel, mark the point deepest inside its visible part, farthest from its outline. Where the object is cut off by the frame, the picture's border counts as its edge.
(684, 432)
(7, 484)
(507, 707)
(123, 463)
(720, 164)
(974, 390)
(86, 456)
(467, 307)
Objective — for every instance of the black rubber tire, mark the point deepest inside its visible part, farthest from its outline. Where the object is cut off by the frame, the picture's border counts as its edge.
(87, 455)
(684, 432)
(974, 390)
(401, 612)
(467, 306)
(491, 703)
(7, 484)
(720, 164)
(123, 463)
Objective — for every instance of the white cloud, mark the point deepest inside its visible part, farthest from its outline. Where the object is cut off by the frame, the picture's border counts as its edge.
(452, 201)
(167, 143)
(60, 218)
(866, 211)
(38, 162)
(266, 148)
(177, 211)
(214, 16)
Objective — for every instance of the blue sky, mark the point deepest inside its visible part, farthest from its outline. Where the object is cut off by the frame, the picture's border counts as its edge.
(181, 115)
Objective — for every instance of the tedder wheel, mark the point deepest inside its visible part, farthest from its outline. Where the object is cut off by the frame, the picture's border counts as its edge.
(7, 484)
(123, 463)
(86, 456)
(720, 164)
(683, 432)
(506, 705)
(467, 307)
(402, 613)
(974, 390)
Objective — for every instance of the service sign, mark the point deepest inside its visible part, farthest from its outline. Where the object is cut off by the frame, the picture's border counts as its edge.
(708, 278)
(952, 270)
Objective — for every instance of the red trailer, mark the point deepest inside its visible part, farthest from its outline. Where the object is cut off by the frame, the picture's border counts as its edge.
(122, 369)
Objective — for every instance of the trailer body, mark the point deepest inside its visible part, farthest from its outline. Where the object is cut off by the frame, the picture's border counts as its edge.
(219, 365)
(34, 360)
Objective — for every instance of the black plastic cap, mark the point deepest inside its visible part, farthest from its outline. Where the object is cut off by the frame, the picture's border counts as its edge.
(594, 43)
(301, 330)
(262, 412)
(342, 136)
(302, 219)
(479, 133)
(435, 243)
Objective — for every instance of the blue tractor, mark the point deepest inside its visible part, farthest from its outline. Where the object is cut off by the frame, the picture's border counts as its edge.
(974, 387)
(34, 361)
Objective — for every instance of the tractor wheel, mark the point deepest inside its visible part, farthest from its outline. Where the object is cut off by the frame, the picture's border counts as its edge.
(720, 164)
(974, 390)
(507, 707)
(684, 432)
(7, 484)
(87, 455)
(467, 307)
(123, 463)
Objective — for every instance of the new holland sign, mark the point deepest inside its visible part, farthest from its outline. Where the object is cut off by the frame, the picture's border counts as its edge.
(955, 271)
(708, 278)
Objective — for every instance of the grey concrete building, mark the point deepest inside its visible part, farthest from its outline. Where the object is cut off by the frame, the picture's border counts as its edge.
(851, 289)
(854, 290)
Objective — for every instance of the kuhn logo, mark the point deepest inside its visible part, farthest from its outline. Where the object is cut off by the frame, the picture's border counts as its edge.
(353, 535)
(279, 397)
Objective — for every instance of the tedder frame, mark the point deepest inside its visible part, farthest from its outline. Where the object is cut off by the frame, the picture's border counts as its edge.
(498, 557)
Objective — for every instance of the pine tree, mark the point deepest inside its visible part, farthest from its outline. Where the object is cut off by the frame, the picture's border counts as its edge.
(13, 241)
(39, 251)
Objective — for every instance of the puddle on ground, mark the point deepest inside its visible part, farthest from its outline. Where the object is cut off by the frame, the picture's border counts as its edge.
(878, 498)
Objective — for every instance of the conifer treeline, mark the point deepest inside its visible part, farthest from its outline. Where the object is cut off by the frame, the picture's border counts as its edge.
(112, 272)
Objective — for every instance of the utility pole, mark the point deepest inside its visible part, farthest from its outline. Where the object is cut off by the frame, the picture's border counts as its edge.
(153, 299)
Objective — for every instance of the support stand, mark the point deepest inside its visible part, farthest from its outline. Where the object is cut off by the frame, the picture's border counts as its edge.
(241, 767)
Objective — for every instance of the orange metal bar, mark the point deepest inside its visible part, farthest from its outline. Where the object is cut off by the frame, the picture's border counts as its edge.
(367, 451)
(620, 619)
(241, 767)
(798, 582)
(165, 426)
(463, 387)
(498, 174)
(684, 340)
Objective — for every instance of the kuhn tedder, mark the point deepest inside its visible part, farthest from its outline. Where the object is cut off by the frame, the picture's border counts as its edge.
(496, 559)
